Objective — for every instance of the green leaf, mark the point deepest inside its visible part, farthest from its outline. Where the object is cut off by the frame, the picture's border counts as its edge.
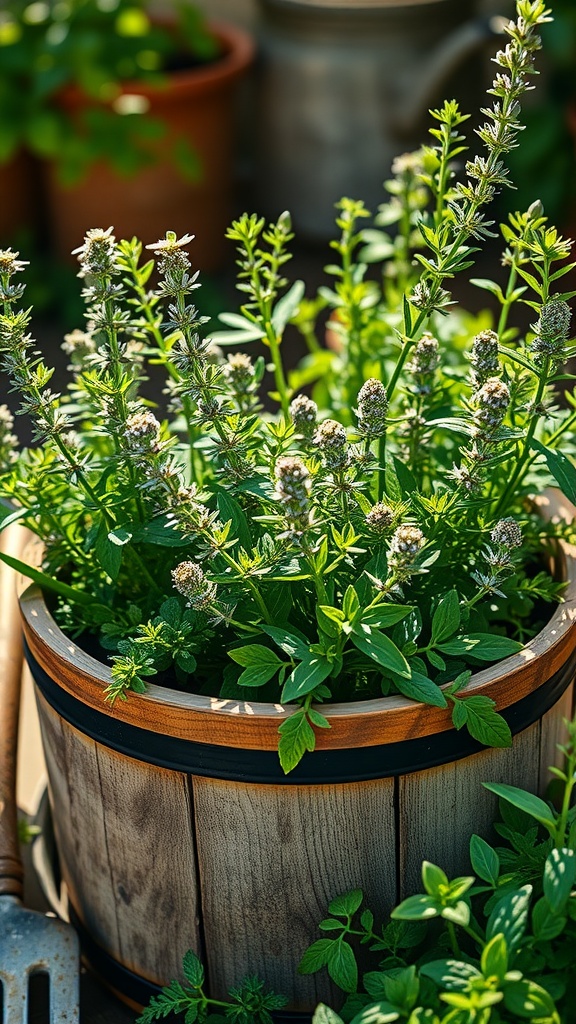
(324, 1015)
(435, 660)
(305, 677)
(405, 477)
(328, 622)
(510, 917)
(433, 878)
(527, 802)
(420, 688)
(296, 737)
(527, 999)
(109, 554)
(401, 985)
(367, 920)
(260, 664)
(317, 719)
(230, 510)
(494, 959)
(292, 645)
(484, 860)
(561, 468)
(286, 307)
(559, 877)
(193, 969)
(488, 286)
(457, 913)
(377, 1013)
(416, 908)
(342, 966)
(254, 654)
(546, 924)
(484, 723)
(348, 904)
(255, 676)
(316, 956)
(484, 646)
(392, 484)
(383, 615)
(381, 649)
(350, 604)
(330, 924)
(446, 618)
(532, 281)
(451, 975)
(160, 531)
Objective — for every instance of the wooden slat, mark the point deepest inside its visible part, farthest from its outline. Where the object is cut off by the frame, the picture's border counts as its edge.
(270, 861)
(554, 731)
(441, 807)
(123, 829)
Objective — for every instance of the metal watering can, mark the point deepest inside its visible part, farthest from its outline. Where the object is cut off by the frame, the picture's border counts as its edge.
(346, 86)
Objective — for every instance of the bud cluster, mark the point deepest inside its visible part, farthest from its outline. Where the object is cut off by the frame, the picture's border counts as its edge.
(293, 487)
(424, 363)
(551, 330)
(190, 581)
(372, 408)
(380, 518)
(304, 415)
(491, 402)
(331, 440)
(404, 546)
(484, 357)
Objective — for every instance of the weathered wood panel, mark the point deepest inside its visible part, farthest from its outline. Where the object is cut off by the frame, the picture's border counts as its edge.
(123, 829)
(271, 859)
(554, 732)
(440, 808)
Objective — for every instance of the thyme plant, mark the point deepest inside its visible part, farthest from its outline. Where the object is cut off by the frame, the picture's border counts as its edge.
(366, 528)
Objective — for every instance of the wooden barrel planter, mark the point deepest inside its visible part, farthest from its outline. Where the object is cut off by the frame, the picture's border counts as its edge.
(176, 827)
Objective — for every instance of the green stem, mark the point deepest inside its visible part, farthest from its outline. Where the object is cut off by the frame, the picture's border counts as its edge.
(265, 613)
(453, 939)
(506, 305)
(523, 460)
(381, 471)
(279, 377)
(562, 824)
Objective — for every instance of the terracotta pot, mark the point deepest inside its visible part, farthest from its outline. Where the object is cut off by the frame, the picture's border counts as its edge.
(197, 104)
(176, 827)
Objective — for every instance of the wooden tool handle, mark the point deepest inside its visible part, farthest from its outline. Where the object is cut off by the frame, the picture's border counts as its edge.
(11, 872)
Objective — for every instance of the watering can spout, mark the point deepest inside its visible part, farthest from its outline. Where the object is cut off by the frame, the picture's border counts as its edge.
(464, 41)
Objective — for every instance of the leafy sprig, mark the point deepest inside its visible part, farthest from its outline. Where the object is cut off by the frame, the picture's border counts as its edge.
(497, 946)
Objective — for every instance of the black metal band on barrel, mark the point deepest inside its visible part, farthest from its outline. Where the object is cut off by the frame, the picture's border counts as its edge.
(357, 764)
(132, 986)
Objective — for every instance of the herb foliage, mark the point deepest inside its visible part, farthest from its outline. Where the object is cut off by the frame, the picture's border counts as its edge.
(366, 527)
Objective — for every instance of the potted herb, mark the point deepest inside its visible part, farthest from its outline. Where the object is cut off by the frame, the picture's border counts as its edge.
(305, 603)
(133, 116)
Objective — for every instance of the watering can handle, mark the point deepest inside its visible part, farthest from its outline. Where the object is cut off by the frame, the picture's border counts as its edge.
(447, 58)
(11, 660)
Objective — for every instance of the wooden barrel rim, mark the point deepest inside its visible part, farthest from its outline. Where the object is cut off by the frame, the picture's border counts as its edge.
(253, 725)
